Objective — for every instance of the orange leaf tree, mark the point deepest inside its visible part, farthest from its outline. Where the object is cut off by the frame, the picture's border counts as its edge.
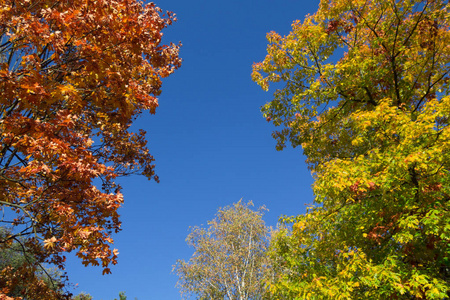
(366, 96)
(73, 77)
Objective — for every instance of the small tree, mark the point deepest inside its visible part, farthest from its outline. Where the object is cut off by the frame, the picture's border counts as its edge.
(83, 296)
(122, 296)
(229, 261)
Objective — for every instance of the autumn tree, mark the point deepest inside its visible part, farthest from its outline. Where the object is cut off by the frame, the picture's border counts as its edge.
(73, 77)
(229, 261)
(366, 95)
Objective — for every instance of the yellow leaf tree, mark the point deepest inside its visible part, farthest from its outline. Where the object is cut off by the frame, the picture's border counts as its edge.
(366, 95)
(73, 77)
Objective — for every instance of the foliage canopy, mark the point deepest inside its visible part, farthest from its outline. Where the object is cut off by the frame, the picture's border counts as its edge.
(366, 96)
(73, 77)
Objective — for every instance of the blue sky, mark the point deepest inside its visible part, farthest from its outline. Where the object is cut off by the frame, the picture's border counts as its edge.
(212, 146)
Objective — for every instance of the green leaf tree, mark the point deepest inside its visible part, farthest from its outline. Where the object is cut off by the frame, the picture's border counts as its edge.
(122, 296)
(230, 259)
(366, 95)
(19, 268)
(83, 296)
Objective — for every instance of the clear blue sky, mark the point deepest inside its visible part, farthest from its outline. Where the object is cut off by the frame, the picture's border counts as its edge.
(212, 146)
